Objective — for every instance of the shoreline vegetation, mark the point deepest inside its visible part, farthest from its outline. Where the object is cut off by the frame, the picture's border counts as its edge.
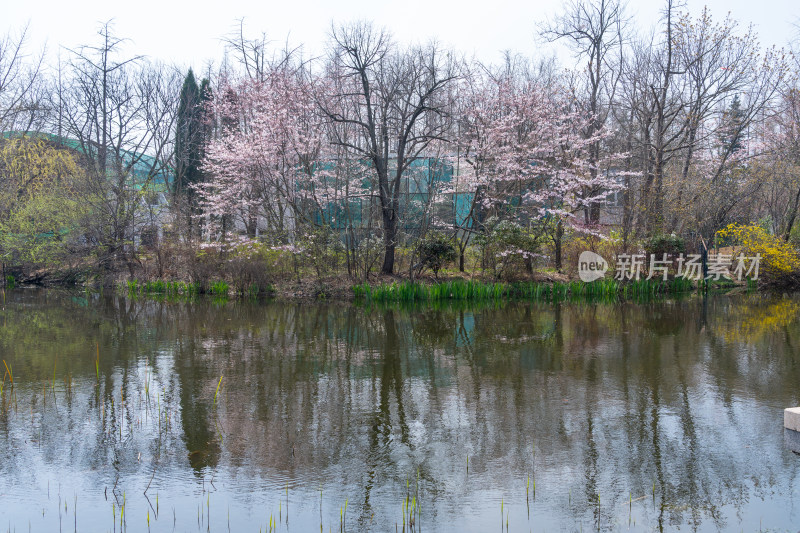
(431, 271)
(301, 277)
(397, 290)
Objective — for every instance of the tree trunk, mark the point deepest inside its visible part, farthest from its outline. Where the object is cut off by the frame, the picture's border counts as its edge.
(557, 240)
(790, 222)
(657, 211)
(390, 241)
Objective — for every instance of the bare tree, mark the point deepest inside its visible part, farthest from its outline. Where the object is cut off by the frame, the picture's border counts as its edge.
(395, 102)
(249, 52)
(667, 128)
(632, 112)
(785, 200)
(21, 91)
(255, 57)
(720, 67)
(121, 112)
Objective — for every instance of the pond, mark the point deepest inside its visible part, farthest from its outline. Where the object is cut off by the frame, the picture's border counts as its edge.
(144, 415)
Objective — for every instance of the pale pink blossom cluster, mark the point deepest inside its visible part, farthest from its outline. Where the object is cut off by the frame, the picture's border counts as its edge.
(525, 142)
(525, 254)
(270, 156)
(291, 248)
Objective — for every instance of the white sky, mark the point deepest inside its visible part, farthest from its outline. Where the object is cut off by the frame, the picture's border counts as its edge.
(185, 34)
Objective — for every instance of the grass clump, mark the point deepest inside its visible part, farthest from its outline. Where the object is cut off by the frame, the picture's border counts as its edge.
(219, 288)
(161, 287)
(470, 290)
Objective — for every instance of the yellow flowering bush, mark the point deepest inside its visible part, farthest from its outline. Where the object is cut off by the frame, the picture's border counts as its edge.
(779, 260)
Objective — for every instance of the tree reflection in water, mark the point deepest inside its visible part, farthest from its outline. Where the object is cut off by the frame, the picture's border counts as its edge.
(667, 413)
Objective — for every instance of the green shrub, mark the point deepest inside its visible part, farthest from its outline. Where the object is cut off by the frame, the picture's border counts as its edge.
(367, 256)
(507, 247)
(435, 251)
(664, 244)
(322, 250)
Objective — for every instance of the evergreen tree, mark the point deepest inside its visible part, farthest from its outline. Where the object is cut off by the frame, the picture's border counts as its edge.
(187, 138)
(731, 135)
(188, 142)
(206, 126)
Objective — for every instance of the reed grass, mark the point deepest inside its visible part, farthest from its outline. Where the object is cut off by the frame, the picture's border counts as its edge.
(216, 393)
(9, 373)
(219, 288)
(470, 290)
(162, 288)
(253, 291)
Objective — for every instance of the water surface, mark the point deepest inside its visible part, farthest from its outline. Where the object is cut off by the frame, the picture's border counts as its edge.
(240, 416)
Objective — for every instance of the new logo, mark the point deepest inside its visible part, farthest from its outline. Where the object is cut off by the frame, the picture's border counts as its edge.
(591, 266)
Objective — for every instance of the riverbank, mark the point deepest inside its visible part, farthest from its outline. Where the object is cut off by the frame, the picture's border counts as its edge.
(539, 286)
(550, 286)
(397, 289)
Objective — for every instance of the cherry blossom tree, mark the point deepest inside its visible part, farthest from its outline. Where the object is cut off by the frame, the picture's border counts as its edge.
(528, 157)
(595, 31)
(267, 164)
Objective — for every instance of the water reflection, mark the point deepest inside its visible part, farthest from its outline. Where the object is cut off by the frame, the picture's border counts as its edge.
(649, 416)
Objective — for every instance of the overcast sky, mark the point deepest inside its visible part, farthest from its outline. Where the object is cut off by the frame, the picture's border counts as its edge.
(183, 33)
